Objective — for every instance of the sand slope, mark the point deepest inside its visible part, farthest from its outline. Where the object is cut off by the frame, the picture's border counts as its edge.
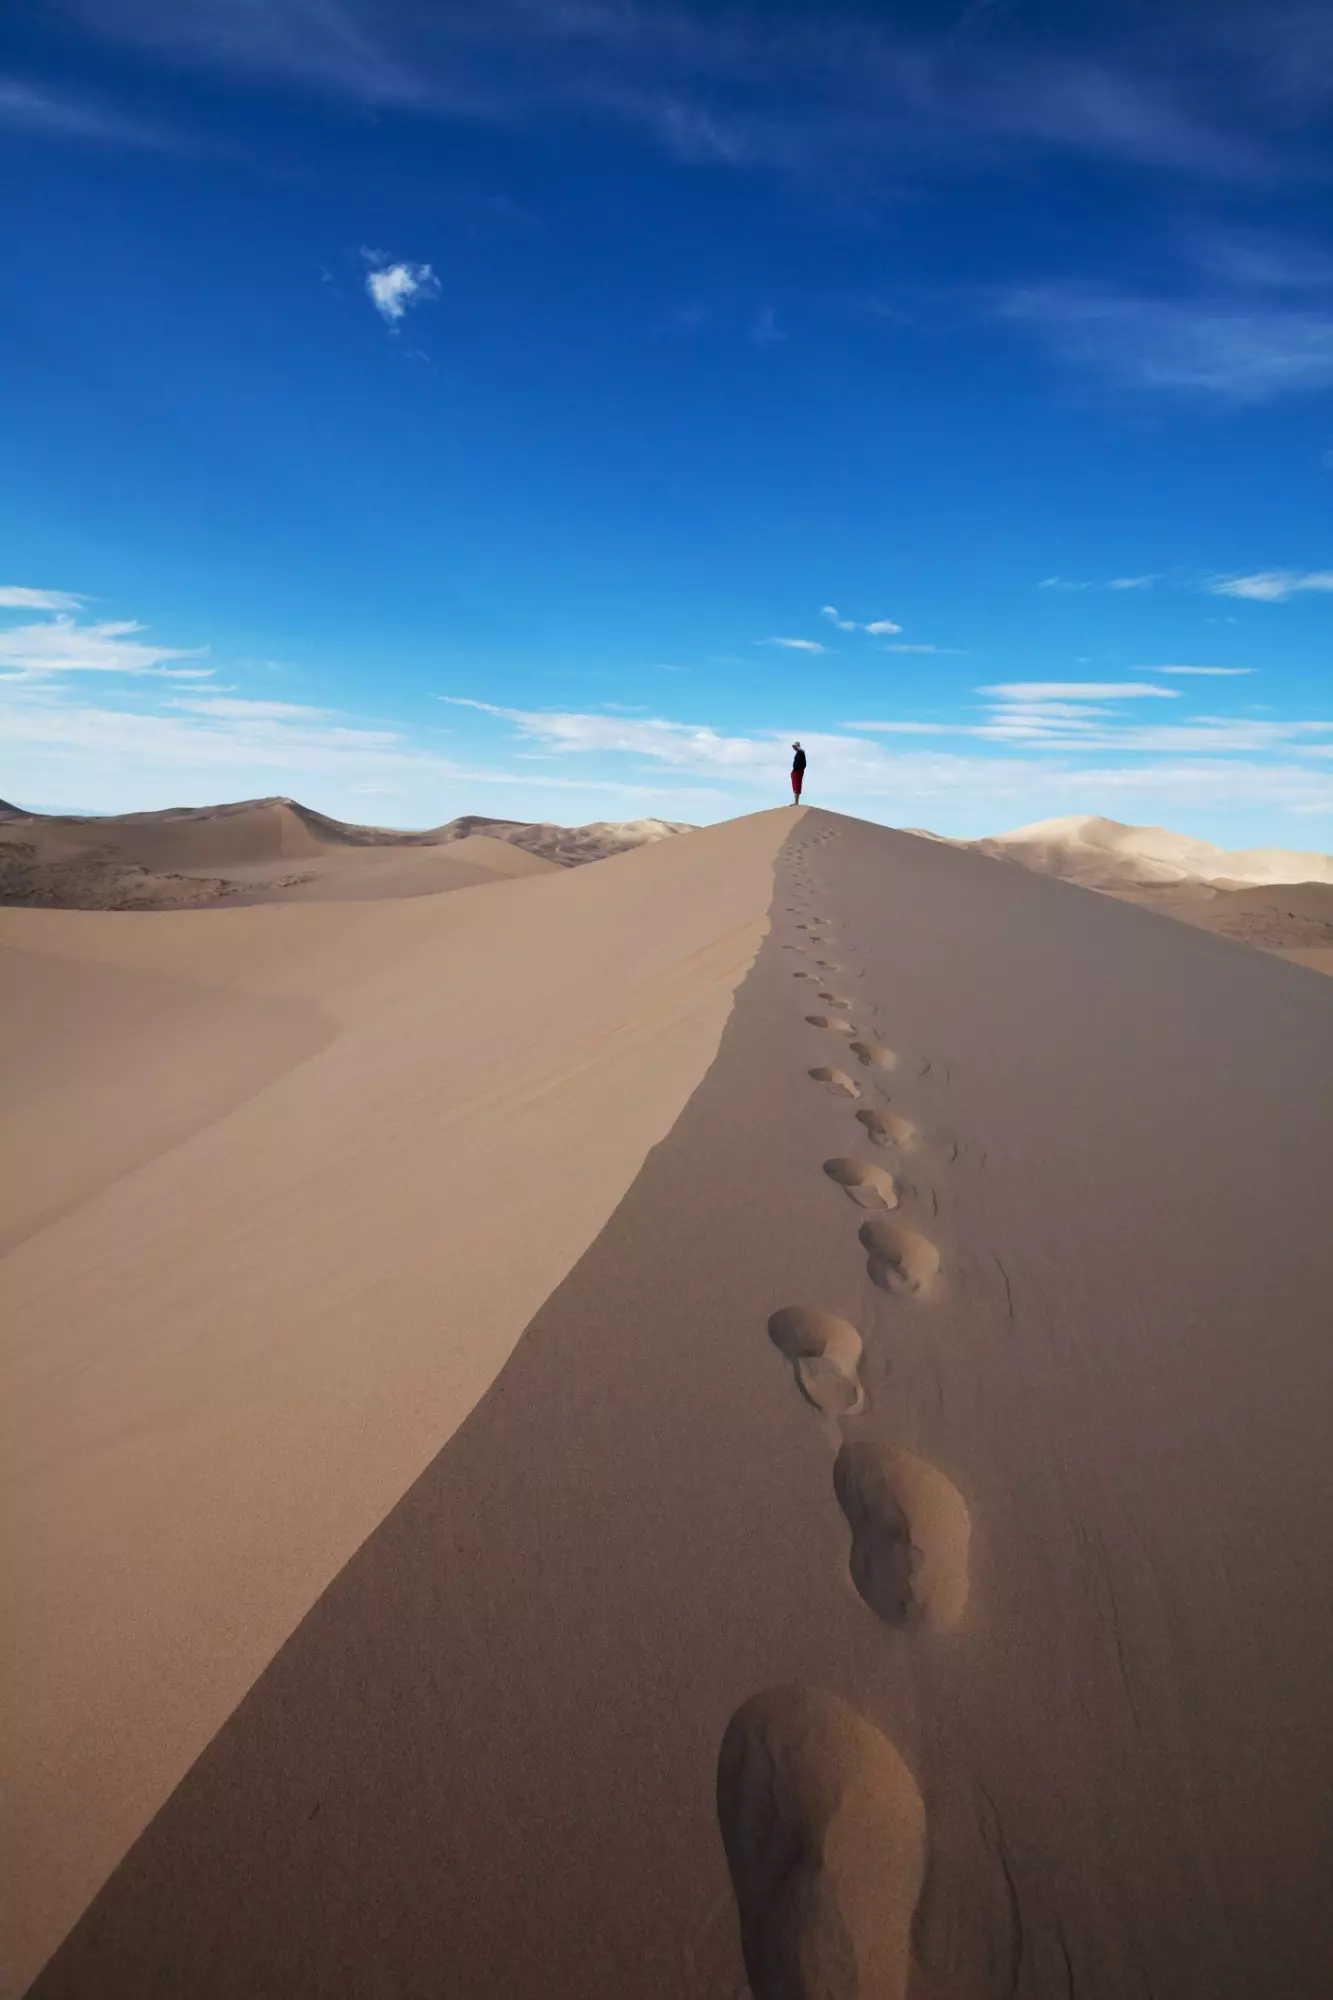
(905, 1581)
(288, 1184)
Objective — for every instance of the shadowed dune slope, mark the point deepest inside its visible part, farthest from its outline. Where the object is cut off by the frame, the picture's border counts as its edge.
(288, 1184)
(955, 1639)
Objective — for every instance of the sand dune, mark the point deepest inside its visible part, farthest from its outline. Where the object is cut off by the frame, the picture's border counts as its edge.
(1105, 854)
(888, 1562)
(1276, 899)
(283, 1187)
(275, 850)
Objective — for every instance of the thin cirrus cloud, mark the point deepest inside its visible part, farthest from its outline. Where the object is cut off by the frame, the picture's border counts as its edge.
(16, 597)
(1229, 349)
(909, 647)
(730, 87)
(1204, 758)
(1089, 583)
(1079, 691)
(1271, 586)
(1219, 673)
(61, 645)
(795, 645)
(876, 626)
(395, 287)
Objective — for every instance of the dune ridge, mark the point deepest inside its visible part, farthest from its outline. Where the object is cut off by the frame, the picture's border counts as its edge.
(239, 1329)
(948, 1566)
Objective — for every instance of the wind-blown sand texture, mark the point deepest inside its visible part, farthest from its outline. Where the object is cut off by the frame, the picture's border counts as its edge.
(274, 850)
(924, 1601)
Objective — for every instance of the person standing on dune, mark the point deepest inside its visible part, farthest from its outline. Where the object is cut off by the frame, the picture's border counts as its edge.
(797, 773)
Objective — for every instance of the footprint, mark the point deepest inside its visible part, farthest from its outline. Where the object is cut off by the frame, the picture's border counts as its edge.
(835, 999)
(831, 1026)
(825, 1838)
(874, 1055)
(886, 1129)
(869, 1186)
(900, 1259)
(825, 1354)
(836, 1080)
(910, 1531)
(828, 965)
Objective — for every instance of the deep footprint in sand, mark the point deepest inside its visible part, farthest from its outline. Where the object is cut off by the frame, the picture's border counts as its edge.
(836, 1080)
(899, 1259)
(825, 1837)
(831, 1025)
(867, 1185)
(825, 1354)
(836, 999)
(886, 1129)
(874, 1055)
(910, 1532)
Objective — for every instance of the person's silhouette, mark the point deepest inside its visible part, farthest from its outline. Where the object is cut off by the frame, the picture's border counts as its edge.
(797, 773)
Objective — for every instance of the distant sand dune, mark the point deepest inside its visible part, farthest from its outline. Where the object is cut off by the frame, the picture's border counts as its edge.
(276, 850)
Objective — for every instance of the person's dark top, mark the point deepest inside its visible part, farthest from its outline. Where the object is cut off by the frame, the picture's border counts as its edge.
(798, 763)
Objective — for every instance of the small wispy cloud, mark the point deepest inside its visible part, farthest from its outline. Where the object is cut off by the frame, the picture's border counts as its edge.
(1079, 691)
(48, 114)
(1131, 582)
(1064, 583)
(14, 597)
(1227, 348)
(795, 645)
(1271, 586)
(875, 626)
(906, 646)
(1218, 672)
(236, 709)
(395, 287)
(61, 645)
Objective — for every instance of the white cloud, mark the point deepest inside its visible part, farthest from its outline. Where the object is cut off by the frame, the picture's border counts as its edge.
(240, 710)
(60, 645)
(1210, 347)
(1063, 583)
(1220, 672)
(1131, 583)
(850, 768)
(1271, 586)
(876, 626)
(795, 645)
(957, 651)
(1076, 690)
(395, 287)
(908, 728)
(13, 597)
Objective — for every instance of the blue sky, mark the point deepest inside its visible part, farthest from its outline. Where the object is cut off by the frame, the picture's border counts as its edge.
(550, 408)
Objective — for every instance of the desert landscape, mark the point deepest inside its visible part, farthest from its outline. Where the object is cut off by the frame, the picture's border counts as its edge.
(665, 1411)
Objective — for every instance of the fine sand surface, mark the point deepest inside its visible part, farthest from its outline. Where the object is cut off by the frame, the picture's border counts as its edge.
(892, 1564)
(283, 1187)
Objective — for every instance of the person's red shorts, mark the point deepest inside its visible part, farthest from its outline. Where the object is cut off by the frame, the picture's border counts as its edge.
(796, 778)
